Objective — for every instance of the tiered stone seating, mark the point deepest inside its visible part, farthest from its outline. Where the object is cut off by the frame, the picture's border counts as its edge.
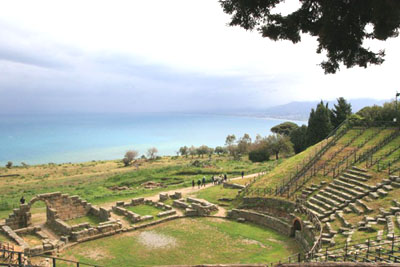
(349, 187)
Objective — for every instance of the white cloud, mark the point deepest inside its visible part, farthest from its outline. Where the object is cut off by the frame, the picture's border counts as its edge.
(180, 52)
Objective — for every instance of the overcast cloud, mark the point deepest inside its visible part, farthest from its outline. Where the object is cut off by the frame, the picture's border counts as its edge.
(176, 55)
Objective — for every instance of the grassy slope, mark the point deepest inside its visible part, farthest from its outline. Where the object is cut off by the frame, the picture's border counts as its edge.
(283, 170)
(197, 241)
(91, 180)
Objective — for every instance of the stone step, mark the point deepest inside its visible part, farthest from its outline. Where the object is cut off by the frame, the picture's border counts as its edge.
(363, 205)
(319, 215)
(349, 191)
(354, 177)
(355, 209)
(339, 193)
(334, 197)
(359, 169)
(381, 192)
(327, 200)
(320, 203)
(350, 186)
(387, 187)
(373, 195)
(321, 211)
(359, 173)
(357, 183)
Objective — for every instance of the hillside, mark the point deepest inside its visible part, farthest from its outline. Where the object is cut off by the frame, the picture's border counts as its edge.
(351, 183)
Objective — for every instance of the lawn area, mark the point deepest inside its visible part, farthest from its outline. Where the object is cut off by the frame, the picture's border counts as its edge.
(213, 193)
(93, 181)
(187, 241)
(92, 220)
(5, 239)
(144, 210)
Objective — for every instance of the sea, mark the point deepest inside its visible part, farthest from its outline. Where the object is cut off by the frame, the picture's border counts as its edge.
(63, 138)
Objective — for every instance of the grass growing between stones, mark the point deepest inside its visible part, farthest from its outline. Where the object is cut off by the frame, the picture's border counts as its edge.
(32, 239)
(187, 241)
(144, 210)
(92, 220)
(92, 180)
(214, 193)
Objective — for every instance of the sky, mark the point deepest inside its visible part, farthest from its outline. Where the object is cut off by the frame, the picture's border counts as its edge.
(157, 56)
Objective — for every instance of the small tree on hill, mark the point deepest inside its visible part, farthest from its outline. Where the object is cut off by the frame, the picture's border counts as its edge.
(129, 157)
(152, 153)
(244, 144)
(184, 151)
(219, 150)
(9, 164)
(279, 144)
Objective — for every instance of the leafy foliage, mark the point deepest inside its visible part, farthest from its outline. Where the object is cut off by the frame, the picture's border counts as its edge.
(319, 124)
(284, 128)
(299, 138)
(340, 25)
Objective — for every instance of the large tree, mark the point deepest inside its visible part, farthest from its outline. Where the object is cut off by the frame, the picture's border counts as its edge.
(340, 112)
(284, 128)
(299, 138)
(341, 26)
(279, 144)
(319, 124)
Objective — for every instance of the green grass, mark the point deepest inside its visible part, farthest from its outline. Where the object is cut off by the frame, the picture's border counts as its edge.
(144, 210)
(196, 241)
(213, 193)
(5, 239)
(94, 187)
(92, 220)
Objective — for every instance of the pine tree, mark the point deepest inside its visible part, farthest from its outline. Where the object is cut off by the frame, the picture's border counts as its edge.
(319, 124)
(340, 112)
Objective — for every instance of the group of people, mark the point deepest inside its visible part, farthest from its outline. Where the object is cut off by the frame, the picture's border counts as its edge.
(214, 180)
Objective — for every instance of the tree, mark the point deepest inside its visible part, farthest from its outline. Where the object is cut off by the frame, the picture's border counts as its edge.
(319, 124)
(341, 26)
(184, 151)
(203, 150)
(244, 144)
(230, 145)
(284, 128)
(9, 165)
(130, 155)
(230, 140)
(340, 112)
(260, 154)
(192, 151)
(298, 137)
(279, 144)
(220, 150)
(152, 153)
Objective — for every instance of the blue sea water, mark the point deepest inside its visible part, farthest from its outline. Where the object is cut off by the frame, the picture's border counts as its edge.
(39, 139)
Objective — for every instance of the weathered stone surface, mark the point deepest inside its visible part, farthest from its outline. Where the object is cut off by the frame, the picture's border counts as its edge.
(166, 213)
(163, 196)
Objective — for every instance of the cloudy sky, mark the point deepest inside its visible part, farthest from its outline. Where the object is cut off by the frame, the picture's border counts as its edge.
(176, 55)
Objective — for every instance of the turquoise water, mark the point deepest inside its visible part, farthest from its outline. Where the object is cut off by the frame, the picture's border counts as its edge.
(37, 139)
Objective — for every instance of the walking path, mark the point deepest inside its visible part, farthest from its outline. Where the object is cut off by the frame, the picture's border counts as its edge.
(186, 190)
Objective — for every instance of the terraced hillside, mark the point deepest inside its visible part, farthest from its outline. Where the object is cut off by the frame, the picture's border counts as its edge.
(353, 188)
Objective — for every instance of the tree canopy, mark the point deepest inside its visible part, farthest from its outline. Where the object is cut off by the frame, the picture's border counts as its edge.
(319, 124)
(285, 128)
(340, 112)
(341, 26)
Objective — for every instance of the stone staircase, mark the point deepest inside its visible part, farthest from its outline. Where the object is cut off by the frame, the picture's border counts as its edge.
(345, 191)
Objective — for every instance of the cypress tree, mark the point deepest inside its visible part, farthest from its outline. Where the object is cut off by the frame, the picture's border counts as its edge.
(340, 112)
(319, 124)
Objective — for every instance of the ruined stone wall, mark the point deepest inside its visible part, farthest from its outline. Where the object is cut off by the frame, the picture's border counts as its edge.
(279, 225)
(273, 206)
(59, 206)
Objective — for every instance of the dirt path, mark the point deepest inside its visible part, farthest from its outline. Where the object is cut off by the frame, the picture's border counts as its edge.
(185, 191)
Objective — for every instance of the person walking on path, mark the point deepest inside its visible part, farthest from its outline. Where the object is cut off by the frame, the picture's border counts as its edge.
(22, 200)
(212, 179)
(225, 177)
(242, 174)
(198, 183)
(204, 181)
(193, 183)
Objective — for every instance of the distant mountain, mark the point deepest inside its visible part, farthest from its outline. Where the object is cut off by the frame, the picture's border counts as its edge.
(301, 110)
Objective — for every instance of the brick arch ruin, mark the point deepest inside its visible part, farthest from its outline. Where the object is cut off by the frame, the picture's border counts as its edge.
(58, 206)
